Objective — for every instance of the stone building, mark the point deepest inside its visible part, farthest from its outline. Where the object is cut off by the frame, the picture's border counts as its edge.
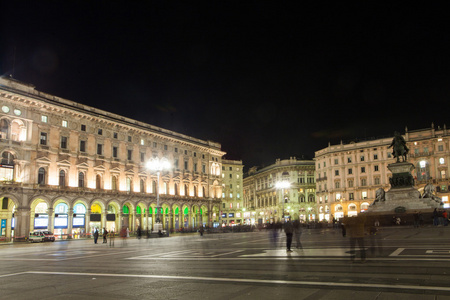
(267, 204)
(232, 201)
(70, 168)
(348, 175)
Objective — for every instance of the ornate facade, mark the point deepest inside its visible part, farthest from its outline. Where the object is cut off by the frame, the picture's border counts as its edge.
(232, 212)
(265, 203)
(69, 168)
(348, 175)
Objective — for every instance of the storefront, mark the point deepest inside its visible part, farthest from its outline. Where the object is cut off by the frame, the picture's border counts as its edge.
(79, 221)
(61, 221)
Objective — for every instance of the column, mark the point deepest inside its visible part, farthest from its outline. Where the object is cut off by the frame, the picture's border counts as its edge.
(133, 226)
(87, 220)
(103, 221)
(51, 219)
(22, 223)
(70, 223)
(120, 220)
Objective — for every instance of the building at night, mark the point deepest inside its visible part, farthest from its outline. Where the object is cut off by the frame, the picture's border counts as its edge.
(348, 175)
(232, 210)
(267, 200)
(69, 168)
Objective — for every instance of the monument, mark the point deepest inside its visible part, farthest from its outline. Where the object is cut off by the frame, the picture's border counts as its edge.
(403, 196)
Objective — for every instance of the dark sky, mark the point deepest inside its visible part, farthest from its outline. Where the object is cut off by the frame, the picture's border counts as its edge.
(266, 79)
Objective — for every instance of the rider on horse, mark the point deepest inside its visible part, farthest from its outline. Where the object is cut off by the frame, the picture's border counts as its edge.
(399, 147)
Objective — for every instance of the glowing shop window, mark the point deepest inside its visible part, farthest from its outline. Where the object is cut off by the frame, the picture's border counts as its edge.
(423, 164)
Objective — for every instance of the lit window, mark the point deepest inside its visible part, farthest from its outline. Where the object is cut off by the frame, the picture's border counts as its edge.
(44, 119)
(64, 123)
(142, 142)
(441, 160)
(423, 164)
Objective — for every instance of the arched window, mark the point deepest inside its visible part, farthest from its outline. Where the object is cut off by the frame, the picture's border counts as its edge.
(114, 183)
(7, 166)
(62, 178)
(203, 192)
(7, 158)
(41, 176)
(195, 191)
(80, 179)
(311, 198)
(186, 190)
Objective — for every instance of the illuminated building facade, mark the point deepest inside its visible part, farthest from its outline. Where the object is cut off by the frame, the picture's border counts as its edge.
(232, 210)
(348, 175)
(266, 203)
(70, 168)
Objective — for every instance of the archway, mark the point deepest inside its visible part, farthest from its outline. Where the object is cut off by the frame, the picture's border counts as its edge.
(112, 217)
(61, 219)
(95, 222)
(39, 218)
(7, 209)
(79, 220)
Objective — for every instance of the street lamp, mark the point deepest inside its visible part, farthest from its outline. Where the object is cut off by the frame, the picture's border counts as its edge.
(158, 165)
(282, 185)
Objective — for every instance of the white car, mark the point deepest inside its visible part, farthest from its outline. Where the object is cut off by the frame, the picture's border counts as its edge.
(37, 236)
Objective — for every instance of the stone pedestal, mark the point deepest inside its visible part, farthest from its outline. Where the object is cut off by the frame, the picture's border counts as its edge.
(402, 195)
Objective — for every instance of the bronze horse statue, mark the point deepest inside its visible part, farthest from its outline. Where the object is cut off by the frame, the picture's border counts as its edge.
(399, 147)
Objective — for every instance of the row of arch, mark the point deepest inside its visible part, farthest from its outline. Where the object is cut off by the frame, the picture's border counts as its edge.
(81, 217)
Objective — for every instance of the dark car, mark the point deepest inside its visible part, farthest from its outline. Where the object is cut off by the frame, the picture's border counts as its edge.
(48, 236)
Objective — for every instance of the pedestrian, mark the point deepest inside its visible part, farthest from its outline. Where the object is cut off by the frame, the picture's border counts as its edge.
(416, 219)
(105, 234)
(128, 232)
(435, 217)
(445, 215)
(356, 232)
(123, 235)
(289, 230)
(298, 233)
(201, 230)
(95, 236)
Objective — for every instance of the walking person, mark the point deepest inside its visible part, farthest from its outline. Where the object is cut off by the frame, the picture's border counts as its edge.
(289, 230)
(95, 236)
(356, 232)
(105, 234)
(298, 233)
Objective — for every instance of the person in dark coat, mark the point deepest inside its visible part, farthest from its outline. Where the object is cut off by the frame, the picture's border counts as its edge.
(105, 234)
(289, 230)
(95, 236)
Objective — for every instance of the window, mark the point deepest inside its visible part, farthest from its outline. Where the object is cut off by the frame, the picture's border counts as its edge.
(364, 195)
(98, 182)
(64, 142)
(80, 179)
(337, 184)
(336, 161)
(64, 123)
(43, 139)
(100, 131)
(375, 156)
(83, 127)
(350, 171)
(142, 142)
(363, 169)
(336, 172)
(349, 159)
(175, 150)
(195, 154)
(203, 168)
(195, 167)
(375, 168)
(351, 196)
(82, 146)
(115, 135)
(155, 144)
(362, 157)
(114, 151)
(99, 149)
(142, 155)
(185, 165)
(44, 119)
(165, 147)
(130, 154)
(114, 183)
(350, 183)
(129, 139)
(440, 147)
(377, 180)
(41, 176)
(363, 182)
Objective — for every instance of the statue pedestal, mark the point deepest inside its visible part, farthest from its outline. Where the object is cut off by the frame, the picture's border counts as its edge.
(402, 195)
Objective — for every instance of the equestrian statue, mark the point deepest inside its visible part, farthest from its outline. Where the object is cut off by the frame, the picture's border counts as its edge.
(399, 148)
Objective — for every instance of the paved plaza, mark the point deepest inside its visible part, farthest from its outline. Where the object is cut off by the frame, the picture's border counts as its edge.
(402, 263)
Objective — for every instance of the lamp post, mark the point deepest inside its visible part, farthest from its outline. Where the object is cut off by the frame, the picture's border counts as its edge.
(158, 165)
(282, 185)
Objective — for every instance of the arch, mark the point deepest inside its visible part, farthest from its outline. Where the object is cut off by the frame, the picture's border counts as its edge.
(42, 176)
(81, 179)
(18, 130)
(114, 185)
(99, 181)
(62, 178)
(39, 218)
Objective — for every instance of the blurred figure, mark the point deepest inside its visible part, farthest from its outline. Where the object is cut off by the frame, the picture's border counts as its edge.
(95, 236)
(356, 231)
(123, 236)
(298, 233)
(111, 238)
(201, 230)
(289, 230)
(139, 232)
(273, 234)
(105, 234)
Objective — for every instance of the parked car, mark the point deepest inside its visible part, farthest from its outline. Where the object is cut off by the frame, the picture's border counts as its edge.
(48, 236)
(37, 236)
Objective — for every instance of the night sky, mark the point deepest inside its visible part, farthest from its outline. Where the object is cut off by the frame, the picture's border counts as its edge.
(266, 79)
